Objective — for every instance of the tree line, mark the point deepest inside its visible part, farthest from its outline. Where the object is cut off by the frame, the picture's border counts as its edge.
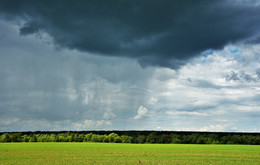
(134, 137)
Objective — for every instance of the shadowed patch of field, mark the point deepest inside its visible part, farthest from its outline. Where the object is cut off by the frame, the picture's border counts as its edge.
(111, 153)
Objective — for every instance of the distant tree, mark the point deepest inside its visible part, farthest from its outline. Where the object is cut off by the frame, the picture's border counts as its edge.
(5, 138)
(112, 137)
(165, 139)
(176, 141)
(193, 138)
(201, 140)
(52, 138)
(75, 137)
(209, 140)
(25, 138)
(33, 138)
(88, 137)
(152, 138)
(213, 137)
(69, 138)
(118, 139)
(133, 137)
(106, 139)
(94, 138)
(16, 137)
(215, 142)
(244, 139)
(126, 139)
(80, 138)
(235, 139)
(39, 138)
(141, 139)
(101, 138)
(230, 142)
(225, 139)
(257, 140)
(186, 139)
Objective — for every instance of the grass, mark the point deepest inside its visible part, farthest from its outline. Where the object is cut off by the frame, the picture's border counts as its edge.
(109, 153)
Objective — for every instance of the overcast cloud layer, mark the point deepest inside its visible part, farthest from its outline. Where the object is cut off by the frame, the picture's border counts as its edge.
(157, 65)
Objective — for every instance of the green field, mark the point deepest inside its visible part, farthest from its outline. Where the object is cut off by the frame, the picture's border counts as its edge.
(111, 153)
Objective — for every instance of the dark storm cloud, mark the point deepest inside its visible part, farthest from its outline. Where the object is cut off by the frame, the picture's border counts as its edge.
(163, 33)
(39, 83)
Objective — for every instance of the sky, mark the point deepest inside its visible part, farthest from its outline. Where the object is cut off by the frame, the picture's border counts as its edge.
(178, 65)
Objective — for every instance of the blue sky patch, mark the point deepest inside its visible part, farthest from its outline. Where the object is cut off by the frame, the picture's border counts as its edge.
(208, 51)
(233, 51)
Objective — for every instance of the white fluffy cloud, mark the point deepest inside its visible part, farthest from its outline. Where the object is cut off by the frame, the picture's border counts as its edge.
(109, 116)
(213, 128)
(199, 96)
(141, 113)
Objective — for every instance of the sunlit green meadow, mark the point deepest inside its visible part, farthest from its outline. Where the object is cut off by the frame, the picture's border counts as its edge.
(111, 153)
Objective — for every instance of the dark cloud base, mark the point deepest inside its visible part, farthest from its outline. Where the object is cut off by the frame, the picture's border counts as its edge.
(160, 33)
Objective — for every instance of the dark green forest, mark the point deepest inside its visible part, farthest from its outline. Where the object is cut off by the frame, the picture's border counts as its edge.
(162, 137)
